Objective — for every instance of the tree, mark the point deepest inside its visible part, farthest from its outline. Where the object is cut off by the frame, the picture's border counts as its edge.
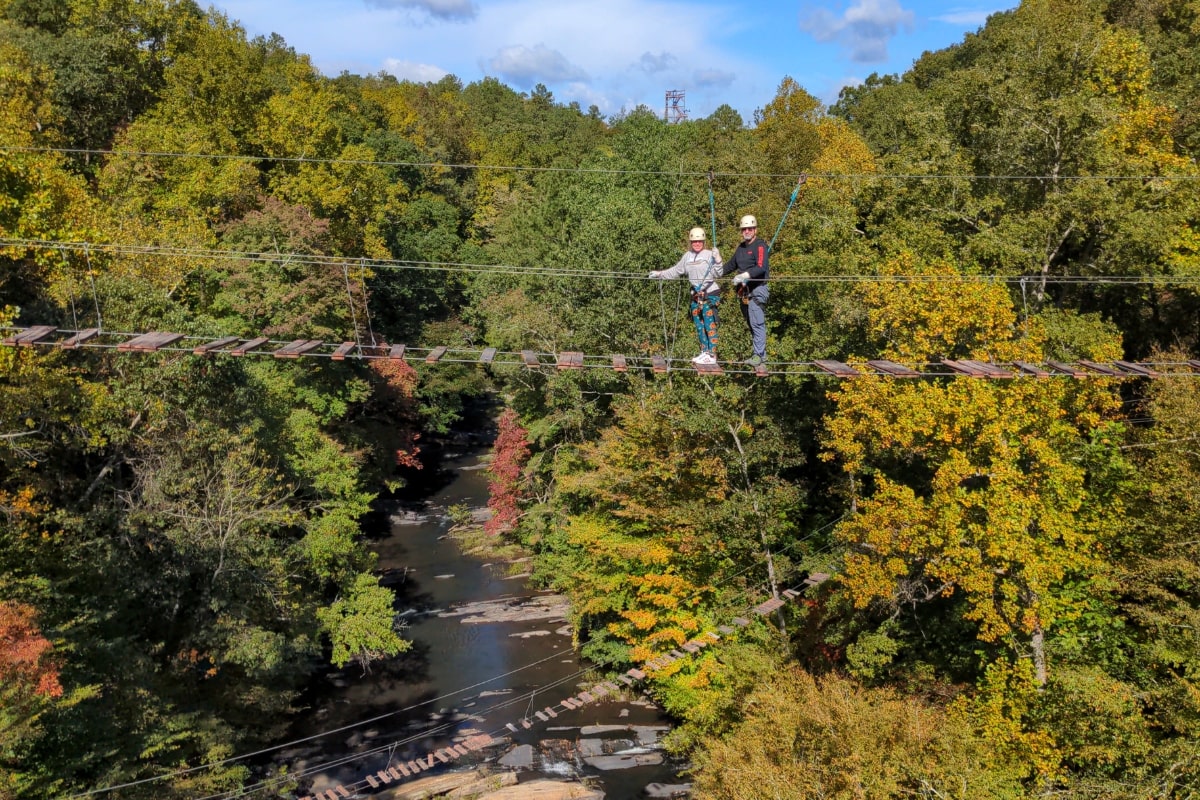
(965, 487)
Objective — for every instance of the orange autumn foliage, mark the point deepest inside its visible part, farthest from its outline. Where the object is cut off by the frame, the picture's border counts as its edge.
(25, 656)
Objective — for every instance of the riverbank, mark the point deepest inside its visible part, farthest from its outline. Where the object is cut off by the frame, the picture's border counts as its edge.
(486, 648)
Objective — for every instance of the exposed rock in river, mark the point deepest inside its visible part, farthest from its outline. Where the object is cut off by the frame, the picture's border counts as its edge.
(517, 609)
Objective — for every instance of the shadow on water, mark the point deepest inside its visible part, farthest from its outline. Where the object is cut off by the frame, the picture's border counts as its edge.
(459, 677)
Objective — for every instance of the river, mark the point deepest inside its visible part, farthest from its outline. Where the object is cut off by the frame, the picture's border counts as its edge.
(459, 673)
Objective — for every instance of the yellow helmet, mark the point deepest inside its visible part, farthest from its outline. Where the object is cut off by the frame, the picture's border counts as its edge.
(696, 235)
(749, 221)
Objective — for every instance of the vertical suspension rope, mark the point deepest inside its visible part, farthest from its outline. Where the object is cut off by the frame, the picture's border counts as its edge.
(71, 294)
(362, 282)
(712, 208)
(350, 299)
(92, 280)
(795, 193)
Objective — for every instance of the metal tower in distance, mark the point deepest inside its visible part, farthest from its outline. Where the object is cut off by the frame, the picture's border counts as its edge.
(674, 110)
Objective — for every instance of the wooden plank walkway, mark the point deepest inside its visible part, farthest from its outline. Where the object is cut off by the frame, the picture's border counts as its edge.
(154, 341)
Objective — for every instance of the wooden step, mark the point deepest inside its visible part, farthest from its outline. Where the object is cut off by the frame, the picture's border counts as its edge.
(435, 355)
(79, 338)
(893, 369)
(1031, 369)
(342, 351)
(297, 348)
(249, 347)
(214, 345)
(149, 342)
(837, 368)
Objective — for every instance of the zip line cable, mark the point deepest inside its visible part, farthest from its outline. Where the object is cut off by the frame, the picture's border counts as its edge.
(585, 170)
(340, 262)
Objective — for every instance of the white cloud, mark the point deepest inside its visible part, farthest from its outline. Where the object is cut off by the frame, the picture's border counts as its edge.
(412, 71)
(964, 16)
(440, 9)
(526, 66)
(651, 64)
(864, 28)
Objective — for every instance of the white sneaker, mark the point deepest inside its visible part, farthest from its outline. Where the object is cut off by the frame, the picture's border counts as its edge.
(698, 359)
(705, 359)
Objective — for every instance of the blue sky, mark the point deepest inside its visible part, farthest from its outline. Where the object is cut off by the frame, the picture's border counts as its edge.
(618, 54)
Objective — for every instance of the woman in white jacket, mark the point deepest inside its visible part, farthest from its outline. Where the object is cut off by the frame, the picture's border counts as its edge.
(701, 267)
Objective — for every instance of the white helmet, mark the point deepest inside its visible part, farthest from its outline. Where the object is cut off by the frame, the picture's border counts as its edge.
(749, 221)
(696, 235)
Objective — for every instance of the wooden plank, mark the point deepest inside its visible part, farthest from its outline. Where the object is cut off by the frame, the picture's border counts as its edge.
(79, 338)
(396, 353)
(1137, 369)
(658, 364)
(435, 354)
(816, 578)
(247, 347)
(215, 344)
(989, 369)
(487, 356)
(30, 336)
(343, 350)
(1068, 369)
(136, 342)
(964, 368)
(530, 358)
(708, 369)
(619, 363)
(763, 609)
(836, 368)
(1103, 369)
(893, 369)
(150, 342)
(297, 348)
(570, 360)
(1031, 369)
(761, 371)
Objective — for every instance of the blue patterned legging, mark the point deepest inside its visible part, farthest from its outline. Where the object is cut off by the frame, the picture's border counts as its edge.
(704, 317)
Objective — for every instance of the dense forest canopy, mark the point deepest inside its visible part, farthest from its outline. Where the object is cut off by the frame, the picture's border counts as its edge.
(1016, 593)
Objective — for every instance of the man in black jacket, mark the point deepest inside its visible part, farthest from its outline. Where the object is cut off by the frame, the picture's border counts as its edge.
(750, 268)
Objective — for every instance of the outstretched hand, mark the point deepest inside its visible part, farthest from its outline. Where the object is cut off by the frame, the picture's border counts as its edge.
(741, 277)
(653, 274)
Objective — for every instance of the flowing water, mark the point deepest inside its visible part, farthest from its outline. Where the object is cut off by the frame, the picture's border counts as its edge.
(462, 676)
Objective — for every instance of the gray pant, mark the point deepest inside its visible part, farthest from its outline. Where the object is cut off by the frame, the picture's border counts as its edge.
(757, 319)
